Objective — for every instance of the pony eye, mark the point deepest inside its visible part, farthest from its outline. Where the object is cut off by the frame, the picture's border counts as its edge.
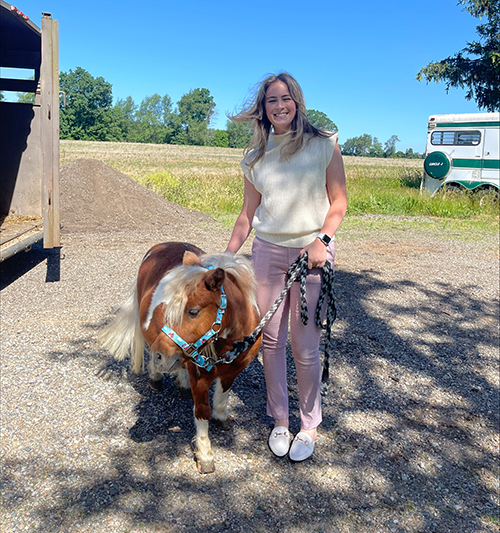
(193, 312)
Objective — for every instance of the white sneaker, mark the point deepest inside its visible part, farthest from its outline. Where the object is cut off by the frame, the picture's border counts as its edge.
(279, 441)
(302, 447)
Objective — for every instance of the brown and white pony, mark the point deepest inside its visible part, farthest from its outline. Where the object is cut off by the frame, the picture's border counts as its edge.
(179, 289)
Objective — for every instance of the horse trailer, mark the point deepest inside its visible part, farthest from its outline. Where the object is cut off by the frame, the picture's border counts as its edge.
(462, 152)
(29, 132)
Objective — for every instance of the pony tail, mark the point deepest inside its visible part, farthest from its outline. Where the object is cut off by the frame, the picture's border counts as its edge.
(123, 334)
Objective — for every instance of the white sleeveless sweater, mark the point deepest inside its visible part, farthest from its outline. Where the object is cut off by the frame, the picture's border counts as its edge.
(294, 196)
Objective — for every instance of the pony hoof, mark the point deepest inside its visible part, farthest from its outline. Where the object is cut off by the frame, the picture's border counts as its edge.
(205, 467)
(156, 386)
(225, 425)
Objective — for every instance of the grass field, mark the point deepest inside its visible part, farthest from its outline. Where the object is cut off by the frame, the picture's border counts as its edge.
(210, 179)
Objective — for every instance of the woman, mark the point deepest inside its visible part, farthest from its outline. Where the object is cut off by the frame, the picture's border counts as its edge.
(295, 199)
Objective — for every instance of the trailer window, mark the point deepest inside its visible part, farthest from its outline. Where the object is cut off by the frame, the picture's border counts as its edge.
(468, 138)
(456, 138)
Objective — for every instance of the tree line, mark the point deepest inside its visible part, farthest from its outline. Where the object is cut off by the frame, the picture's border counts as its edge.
(88, 113)
(368, 146)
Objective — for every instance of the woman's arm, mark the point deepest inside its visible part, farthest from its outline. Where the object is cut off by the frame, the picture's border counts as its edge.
(337, 194)
(243, 224)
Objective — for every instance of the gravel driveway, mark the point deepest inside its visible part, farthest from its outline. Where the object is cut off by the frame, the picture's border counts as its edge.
(409, 441)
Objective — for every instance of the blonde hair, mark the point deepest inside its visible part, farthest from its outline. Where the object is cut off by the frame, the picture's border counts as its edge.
(254, 111)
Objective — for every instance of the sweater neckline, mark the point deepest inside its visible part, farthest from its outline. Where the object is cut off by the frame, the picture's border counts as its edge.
(278, 140)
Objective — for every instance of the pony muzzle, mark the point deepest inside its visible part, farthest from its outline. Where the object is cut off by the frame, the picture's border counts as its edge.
(166, 364)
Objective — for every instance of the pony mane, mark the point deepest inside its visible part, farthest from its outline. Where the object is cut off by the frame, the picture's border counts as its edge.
(174, 288)
(239, 267)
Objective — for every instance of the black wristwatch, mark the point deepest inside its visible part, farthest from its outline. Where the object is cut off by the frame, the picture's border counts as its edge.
(323, 237)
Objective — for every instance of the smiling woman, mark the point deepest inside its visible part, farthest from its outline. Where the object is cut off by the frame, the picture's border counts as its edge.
(281, 96)
(280, 107)
(295, 199)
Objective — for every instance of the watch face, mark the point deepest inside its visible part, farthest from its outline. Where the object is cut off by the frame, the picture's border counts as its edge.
(324, 238)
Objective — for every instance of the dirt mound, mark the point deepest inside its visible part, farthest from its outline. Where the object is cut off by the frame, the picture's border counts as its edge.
(97, 198)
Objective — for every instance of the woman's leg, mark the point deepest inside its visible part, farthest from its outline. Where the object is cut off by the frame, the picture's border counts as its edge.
(305, 350)
(270, 264)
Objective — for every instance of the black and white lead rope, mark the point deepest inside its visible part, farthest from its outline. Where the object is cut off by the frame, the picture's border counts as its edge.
(297, 271)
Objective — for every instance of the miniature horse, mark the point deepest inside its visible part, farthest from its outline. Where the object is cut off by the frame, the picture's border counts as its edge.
(189, 308)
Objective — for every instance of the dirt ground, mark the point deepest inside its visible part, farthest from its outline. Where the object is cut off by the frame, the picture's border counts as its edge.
(410, 436)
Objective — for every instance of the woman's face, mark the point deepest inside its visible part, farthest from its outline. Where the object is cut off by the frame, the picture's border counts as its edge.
(280, 107)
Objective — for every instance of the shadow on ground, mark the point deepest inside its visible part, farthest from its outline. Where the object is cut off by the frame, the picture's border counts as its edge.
(408, 442)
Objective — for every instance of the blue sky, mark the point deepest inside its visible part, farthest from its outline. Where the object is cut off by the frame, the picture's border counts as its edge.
(356, 61)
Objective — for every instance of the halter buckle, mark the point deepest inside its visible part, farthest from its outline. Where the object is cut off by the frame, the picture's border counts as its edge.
(190, 350)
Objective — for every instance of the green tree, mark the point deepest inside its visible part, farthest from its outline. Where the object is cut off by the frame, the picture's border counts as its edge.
(87, 114)
(358, 146)
(390, 146)
(153, 119)
(320, 120)
(194, 111)
(238, 134)
(179, 135)
(26, 98)
(476, 67)
(410, 154)
(376, 149)
(125, 120)
(221, 139)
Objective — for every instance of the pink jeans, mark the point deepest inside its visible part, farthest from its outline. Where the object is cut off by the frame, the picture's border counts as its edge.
(271, 263)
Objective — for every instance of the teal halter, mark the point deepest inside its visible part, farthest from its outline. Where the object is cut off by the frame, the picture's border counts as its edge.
(191, 349)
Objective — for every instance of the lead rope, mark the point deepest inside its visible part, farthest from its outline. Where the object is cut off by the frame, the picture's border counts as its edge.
(298, 270)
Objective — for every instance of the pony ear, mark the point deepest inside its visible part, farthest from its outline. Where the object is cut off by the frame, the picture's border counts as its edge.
(214, 279)
(190, 259)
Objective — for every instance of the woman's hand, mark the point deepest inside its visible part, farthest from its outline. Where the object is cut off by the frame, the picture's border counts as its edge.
(316, 254)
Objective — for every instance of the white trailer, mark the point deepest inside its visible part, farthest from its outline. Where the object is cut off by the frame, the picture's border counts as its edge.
(463, 152)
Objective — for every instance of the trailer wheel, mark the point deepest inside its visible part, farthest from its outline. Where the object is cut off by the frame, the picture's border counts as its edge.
(452, 189)
(489, 194)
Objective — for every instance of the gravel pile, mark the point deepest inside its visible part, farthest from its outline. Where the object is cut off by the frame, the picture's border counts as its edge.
(409, 441)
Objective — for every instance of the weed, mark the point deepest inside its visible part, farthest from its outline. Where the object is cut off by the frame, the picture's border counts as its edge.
(492, 520)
